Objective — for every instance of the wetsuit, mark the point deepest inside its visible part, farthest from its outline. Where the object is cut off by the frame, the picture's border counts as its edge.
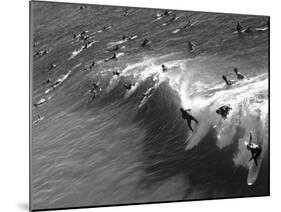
(164, 68)
(189, 118)
(145, 42)
(228, 83)
(255, 150)
(239, 27)
(223, 111)
(238, 74)
(128, 86)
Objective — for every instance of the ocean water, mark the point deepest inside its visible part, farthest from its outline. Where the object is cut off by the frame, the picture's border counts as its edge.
(122, 147)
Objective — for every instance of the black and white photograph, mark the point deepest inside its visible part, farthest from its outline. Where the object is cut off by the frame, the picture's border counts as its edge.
(133, 105)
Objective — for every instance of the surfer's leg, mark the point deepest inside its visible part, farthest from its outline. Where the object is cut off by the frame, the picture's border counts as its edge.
(256, 162)
(195, 120)
(189, 124)
(251, 157)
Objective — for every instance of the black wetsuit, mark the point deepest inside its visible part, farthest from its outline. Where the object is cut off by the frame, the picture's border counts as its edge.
(189, 118)
(228, 83)
(254, 149)
(187, 25)
(111, 58)
(164, 68)
(145, 42)
(128, 86)
(94, 90)
(191, 46)
(116, 73)
(223, 111)
(92, 64)
(238, 74)
(239, 27)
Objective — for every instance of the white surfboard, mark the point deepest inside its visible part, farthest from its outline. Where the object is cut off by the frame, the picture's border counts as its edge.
(262, 29)
(254, 169)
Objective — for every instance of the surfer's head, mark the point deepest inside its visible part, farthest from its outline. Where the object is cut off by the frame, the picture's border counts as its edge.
(235, 70)
(181, 109)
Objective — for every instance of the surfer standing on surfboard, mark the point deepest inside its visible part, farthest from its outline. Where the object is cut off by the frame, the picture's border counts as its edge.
(254, 148)
(188, 117)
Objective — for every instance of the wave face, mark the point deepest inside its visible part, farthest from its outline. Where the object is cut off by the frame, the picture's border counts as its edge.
(132, 146)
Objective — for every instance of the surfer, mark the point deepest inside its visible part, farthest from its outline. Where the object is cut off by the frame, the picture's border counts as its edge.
(170, 21)
(145, 42)
(238, 74)
(132, 37)
(41, 53)
(111, 58)
(164, 68)
(40, 102)
(187, 25)
(126, 12)
(48, 81)
(124, 38)
(94, 90)
(188, 117)
(116, 73)
(173, 18)
(84, 37)
(128, 86)
(255, 149)
(149, 92)
(228, 82)
(224, 111)
(52, 66)
(191, 46)
(117, 47)
(239, 27)
(87, 45)
(106, 28)
(92, 64)
(166, 13)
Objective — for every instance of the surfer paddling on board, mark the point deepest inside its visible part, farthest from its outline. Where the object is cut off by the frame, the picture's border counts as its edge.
(240, 28)
(92, 64)
(145, 42)
(254, 148)
(114, 56)
(128, 86)
(238, 74)
(228, 82)
(190, 46)
(188, 117)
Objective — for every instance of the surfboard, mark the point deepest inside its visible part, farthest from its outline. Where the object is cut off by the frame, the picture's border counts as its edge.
(254, 169)
(192, 134)
(252, 30)
(38, 120)
(262, 29)
(193, 138)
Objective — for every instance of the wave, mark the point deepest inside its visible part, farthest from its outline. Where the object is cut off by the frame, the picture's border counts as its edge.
(174, 89)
